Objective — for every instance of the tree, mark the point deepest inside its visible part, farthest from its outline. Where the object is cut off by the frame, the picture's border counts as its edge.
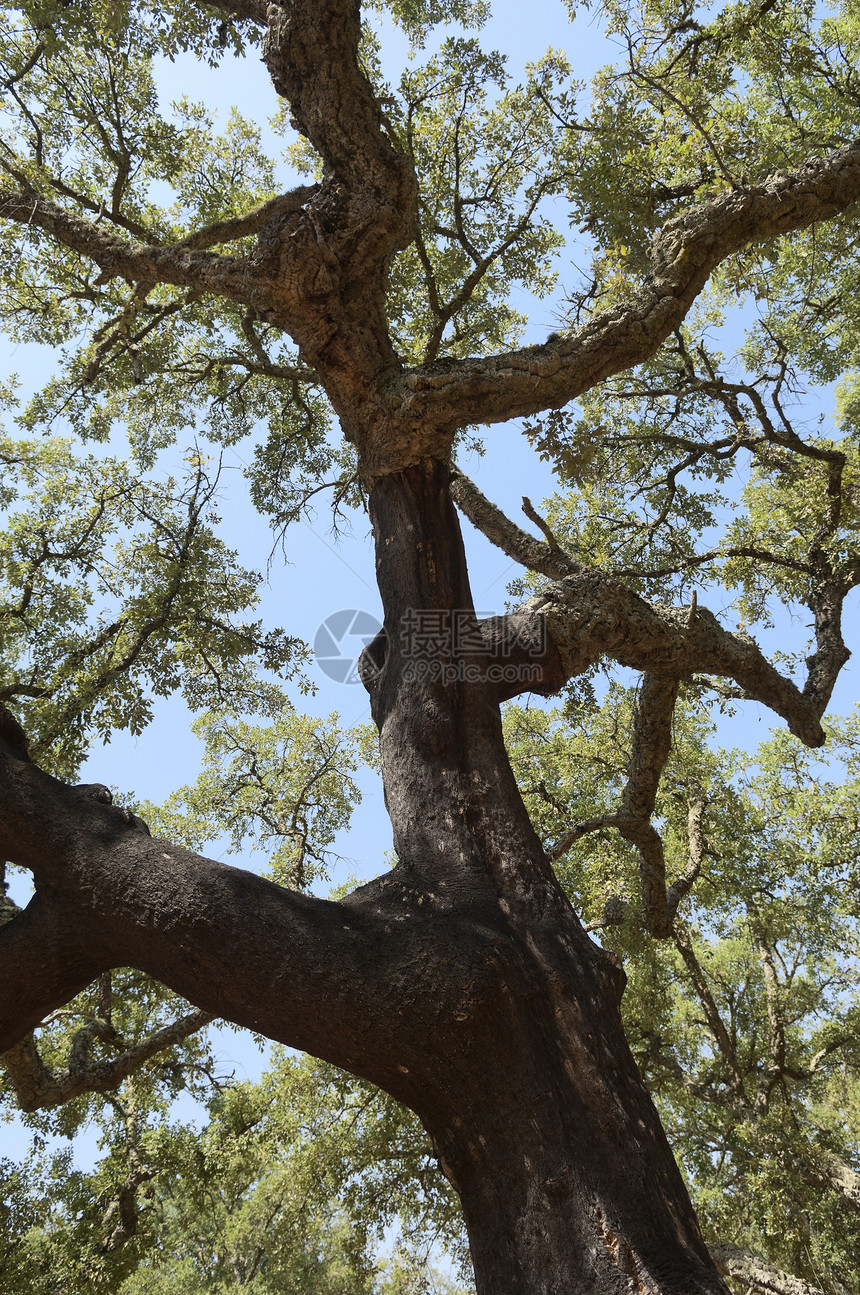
(461, 982)
(264, 1199)
(742, 1023)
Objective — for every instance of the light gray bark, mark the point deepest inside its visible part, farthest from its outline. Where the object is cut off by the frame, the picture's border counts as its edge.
(735, 1261)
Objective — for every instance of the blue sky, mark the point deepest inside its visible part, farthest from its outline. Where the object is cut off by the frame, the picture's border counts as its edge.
(323, 572)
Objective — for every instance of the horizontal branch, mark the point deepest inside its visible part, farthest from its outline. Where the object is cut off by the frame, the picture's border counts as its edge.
(326, 975)
(763, 556)
(683, 254)
(591, 616)
(202, 365)
(188, 263)
(250, 222)
(200, 927)
(119, 258)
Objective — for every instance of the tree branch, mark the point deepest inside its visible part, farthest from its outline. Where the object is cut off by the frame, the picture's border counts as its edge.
(735, 1261)
(38, 1087)
(46, 958)
(720, 1034)
(153, 262)
(506, 535)
(252, 10)
(776, 1026)
(326, 975)
(652, 742)
(830, 655)
(695, 850)
(136, 262)
(825, 1169)
(591, 615)
(311, 51)
(251, 222)
(683, 255)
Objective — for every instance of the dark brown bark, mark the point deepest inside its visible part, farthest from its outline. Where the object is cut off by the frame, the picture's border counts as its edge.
(461, 982)
(527, 1086)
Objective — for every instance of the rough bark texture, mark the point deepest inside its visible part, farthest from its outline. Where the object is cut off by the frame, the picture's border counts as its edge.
(461, 982)
(530, 1137)
(421, 981)
(759, 1275)
(683, 254)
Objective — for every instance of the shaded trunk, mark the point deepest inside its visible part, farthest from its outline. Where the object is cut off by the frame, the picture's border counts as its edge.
(514, 1056)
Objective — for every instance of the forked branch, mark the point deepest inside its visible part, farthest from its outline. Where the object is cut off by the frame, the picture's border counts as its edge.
(651, 745)
(38, 1086)
(536, 555)
(110, 895)
(591, 615)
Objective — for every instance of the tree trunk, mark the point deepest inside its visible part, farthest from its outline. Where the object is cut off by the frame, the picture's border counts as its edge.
(461, 982)
(515, 1056)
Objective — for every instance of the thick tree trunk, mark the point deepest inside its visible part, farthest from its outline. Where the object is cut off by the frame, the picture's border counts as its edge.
(516, 1058)
(461, 982)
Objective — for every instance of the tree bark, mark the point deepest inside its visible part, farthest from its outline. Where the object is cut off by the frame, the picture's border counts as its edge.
(461, 982)
(517, 1064)
(758, 1274)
